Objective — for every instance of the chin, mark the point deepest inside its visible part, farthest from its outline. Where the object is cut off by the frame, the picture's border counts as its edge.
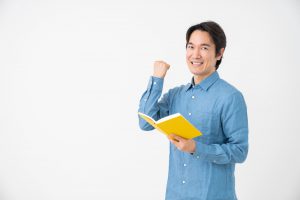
(197, 72)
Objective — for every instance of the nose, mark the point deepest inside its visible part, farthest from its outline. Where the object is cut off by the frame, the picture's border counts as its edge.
(196, 53)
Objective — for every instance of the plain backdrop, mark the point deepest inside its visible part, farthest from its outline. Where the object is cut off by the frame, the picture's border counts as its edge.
(72, 73)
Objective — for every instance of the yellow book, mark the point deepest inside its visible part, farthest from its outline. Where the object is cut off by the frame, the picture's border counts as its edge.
(175, 124)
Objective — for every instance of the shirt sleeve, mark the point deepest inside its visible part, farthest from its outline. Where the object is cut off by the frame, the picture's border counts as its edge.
(235, 127)
(150, 103)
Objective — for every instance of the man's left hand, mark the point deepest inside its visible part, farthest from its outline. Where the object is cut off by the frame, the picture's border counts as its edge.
(186, 145)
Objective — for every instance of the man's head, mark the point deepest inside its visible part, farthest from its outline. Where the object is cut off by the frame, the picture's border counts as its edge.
(205, 45)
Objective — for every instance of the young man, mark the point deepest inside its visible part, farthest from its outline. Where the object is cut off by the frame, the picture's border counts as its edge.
(201, 168)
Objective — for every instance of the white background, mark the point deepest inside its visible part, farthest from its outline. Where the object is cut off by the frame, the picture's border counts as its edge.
(72, 73)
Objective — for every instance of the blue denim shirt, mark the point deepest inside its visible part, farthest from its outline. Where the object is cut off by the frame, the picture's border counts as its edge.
(218, 110)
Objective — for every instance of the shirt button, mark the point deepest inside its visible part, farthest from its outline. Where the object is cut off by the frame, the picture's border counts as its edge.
(193, 97)
(190, 113)
(215, 161)
(197, 156)
(184, 164)
(183, 182)
(154, 83)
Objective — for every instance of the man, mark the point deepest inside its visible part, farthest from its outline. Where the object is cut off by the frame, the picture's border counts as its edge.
(201, 168)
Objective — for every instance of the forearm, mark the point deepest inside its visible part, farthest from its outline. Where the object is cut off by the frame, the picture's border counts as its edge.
(149, 103)
(232, 152)
(234, 123)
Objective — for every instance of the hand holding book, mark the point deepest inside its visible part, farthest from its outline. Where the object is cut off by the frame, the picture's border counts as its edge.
(186, 145)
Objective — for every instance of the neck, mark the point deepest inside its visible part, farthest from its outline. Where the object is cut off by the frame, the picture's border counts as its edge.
(199, 78)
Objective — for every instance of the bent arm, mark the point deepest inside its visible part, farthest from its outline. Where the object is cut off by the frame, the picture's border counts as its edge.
(235, 127)
(150, 104)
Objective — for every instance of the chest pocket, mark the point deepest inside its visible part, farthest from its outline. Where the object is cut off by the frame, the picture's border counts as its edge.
(209, 124)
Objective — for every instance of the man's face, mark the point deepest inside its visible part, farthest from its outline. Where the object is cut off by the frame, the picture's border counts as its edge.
(200, 54)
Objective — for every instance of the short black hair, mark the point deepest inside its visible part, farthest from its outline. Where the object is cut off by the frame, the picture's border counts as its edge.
(216, 33)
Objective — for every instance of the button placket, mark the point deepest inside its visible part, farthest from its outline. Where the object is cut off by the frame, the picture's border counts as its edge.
(192, 97)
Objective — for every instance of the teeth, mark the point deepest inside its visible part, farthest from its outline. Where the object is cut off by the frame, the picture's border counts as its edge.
(197, 63)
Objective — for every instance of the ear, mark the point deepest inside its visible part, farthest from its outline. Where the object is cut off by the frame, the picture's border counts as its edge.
(220, 54)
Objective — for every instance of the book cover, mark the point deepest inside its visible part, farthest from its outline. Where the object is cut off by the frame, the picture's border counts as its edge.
(175, 124)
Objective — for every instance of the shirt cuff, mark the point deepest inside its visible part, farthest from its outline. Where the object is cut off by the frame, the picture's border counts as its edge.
(155, 83)
(200, 151)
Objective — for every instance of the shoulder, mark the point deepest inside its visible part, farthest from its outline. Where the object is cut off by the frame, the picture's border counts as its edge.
(175, 91)
(178, 89)
(227, 94)
(226, 90)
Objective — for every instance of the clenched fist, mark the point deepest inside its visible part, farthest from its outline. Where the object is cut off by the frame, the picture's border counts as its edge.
(160, 69)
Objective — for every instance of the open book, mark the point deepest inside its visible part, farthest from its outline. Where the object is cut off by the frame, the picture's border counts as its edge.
(175, 124)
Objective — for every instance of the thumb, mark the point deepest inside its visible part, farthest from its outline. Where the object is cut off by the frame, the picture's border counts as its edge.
(175, 137)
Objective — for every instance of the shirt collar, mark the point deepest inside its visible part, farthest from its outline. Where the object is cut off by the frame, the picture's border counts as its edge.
(204, 84)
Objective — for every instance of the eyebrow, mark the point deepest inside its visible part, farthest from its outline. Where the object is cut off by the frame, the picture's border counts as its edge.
(203, 44)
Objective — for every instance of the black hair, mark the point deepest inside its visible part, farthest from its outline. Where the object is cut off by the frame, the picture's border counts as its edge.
(216, 33)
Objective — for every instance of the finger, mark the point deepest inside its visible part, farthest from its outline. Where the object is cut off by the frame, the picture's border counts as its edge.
(175, 143)
(172, 141)
(178, 138)
(174, 137)
(165, 64)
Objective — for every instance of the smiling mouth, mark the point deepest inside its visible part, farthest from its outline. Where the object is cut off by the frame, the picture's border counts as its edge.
(196, 63)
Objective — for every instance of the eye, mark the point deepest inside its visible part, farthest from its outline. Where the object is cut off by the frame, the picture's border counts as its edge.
(204, 48)
(190, 47)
